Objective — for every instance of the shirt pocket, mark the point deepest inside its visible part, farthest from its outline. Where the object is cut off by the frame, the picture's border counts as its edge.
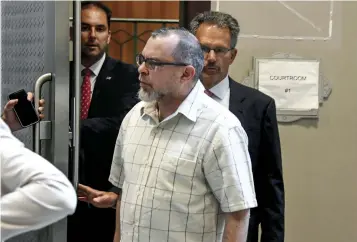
(177, 174)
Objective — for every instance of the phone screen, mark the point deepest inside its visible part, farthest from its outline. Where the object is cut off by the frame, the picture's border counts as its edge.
(24, 109)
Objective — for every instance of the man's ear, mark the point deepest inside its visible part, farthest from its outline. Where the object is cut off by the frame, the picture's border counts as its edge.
(188, 73)
(109, 36)
(234, 53)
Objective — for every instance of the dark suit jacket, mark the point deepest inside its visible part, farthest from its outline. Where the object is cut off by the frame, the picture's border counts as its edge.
(114, 94)
(256, 111)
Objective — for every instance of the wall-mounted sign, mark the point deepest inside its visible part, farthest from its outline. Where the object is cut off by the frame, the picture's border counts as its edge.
(294, 84)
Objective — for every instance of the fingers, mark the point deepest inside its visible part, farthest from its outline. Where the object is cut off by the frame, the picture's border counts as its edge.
(82, 187)
(86, 189)
(10, 104)
(42, 102)
(41, 109)
(106, 200)
(101, 199)
(81, 193)
(29, 96)
(40, 112)
(83, 199)
(106, 197)
(103, 202)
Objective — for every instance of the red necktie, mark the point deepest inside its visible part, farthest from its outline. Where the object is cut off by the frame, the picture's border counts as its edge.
(85, 93)
(209, 93)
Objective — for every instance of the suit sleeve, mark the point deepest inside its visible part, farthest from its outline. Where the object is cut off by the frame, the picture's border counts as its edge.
(106, 125)
(103, 131)
(273, 202)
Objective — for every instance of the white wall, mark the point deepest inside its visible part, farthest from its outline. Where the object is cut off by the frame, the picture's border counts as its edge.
(319, 156)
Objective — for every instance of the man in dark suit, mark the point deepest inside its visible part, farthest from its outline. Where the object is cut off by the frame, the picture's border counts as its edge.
(108, 91)
(218, 33)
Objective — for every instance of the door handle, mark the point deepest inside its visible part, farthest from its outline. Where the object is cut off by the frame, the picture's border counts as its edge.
(46, 134)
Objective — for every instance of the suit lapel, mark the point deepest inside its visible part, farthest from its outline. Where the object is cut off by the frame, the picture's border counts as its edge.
(236, 99)
(104, 75)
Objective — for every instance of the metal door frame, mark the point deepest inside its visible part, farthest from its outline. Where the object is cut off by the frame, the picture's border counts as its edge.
(57, 63)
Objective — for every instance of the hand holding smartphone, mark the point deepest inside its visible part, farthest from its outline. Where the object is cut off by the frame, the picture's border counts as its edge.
(24, 109)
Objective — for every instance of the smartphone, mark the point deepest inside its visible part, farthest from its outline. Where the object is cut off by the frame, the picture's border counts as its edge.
(24, 109)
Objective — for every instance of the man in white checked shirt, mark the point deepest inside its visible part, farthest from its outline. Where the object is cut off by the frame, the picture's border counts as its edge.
(181, 159)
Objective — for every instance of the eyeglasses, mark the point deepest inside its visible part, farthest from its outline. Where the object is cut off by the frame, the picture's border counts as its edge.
(217, 50)
(152, 63)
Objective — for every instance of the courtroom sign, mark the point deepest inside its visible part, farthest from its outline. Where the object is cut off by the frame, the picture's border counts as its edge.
(293, 83)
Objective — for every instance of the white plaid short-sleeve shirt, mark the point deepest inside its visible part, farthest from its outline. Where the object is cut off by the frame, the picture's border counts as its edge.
(179, 176)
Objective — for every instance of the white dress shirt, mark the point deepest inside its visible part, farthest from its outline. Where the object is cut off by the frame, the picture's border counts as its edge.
(34, 193)
(221, 92)
(179, 176)
(95, 68)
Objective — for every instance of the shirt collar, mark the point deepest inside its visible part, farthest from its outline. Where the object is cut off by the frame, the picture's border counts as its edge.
(220, 90)
(96, 67)
(189, 107)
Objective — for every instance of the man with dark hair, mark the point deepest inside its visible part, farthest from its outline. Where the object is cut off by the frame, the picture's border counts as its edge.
(180, 159)
(99, 5)
(218, 34)
(108, 91)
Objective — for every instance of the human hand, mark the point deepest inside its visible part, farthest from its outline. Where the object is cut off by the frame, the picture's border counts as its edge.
(99, 199)
(9, 115)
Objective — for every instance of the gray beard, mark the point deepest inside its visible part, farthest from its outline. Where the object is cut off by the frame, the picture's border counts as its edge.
(148, 96)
